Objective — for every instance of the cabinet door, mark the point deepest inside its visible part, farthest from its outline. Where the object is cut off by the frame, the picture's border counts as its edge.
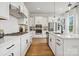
(4, 48)
(9, 53)
(59, 47)
(24, 42)
(4, 10)
(16, 4)
(53, 44)
(71, 47)
(16, 49)
(50, 41)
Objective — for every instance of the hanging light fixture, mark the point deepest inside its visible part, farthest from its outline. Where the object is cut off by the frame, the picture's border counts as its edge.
(54, 10)
(69, 6)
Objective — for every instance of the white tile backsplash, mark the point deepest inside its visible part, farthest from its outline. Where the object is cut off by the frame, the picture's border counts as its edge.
(9, 26)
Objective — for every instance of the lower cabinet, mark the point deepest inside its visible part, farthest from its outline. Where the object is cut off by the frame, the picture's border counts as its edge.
(26, 41)
(11, 48)
(67, 46)
(16, 45)
(52, 43)
(59, 46)
(16, 49)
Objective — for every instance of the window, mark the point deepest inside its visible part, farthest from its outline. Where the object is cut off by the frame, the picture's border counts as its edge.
(70, 23)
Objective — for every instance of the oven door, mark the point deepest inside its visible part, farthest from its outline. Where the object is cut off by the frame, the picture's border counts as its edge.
(38, 31)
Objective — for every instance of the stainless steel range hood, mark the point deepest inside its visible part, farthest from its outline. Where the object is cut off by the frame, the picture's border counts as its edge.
(14, 11)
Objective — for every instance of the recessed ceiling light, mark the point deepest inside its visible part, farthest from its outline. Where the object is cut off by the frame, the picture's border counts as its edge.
(38, 8)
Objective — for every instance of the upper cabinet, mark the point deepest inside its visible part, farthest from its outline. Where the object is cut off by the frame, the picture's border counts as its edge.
(41, 20)
(4, 10)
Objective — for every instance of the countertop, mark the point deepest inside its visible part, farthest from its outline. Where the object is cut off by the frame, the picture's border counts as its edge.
(66, 35)
(6, 40)
(16, 34)
(10, 37)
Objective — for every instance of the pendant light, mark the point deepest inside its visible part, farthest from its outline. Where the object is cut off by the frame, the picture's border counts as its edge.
(54, 10)
(69, 6)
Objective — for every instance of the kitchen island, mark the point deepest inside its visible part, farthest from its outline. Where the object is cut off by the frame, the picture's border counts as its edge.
(64, 44)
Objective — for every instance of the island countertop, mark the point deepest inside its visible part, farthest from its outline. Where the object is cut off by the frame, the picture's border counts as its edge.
(65, 35)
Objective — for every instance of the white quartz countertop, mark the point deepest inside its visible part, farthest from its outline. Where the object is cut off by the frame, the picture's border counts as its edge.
(66, 35)
(11, 38)
(7, 39)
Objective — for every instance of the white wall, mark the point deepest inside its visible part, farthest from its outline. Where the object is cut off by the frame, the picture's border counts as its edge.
(9, 26)
(41, 20)
(4, 10)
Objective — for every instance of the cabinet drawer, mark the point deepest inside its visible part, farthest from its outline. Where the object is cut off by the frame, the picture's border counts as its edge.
(59, 49)
(59, 40)
(6, 48)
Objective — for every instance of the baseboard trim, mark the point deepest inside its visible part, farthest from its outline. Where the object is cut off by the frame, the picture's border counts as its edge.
(27, 50)
(51, 49)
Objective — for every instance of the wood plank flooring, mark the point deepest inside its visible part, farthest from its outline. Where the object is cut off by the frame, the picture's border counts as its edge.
(39, 48)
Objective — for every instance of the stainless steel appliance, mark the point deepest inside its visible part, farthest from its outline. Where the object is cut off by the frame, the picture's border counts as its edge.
(51, 26)
(38, 29)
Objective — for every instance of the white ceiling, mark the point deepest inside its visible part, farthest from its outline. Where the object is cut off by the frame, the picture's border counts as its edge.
(47, 7)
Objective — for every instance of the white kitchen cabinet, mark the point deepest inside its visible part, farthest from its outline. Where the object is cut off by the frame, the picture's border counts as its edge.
(38, 20)
(4, 48)
(9, 53)
(71, 47)
(67, 45)
(59, 47)
(44, 33)
(10, 48)
(16, 49)
(26, 41)
(41, 20)
(15, 45)
(4, 10)
(29, 40)
(52, 42)
(16, 4)
(31, 21)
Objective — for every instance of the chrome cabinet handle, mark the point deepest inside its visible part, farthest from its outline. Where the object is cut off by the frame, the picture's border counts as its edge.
(12, 54)
(11, 46)
(58, 44)
(50, 40)
(58, 39)
(26, 41)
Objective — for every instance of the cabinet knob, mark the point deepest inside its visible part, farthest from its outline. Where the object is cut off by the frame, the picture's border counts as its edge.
(12, 54)
(50, 40)
(58, 40)
(26, 41)
(58, 44)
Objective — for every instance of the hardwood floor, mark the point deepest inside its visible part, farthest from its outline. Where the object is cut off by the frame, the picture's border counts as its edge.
(39, 47)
